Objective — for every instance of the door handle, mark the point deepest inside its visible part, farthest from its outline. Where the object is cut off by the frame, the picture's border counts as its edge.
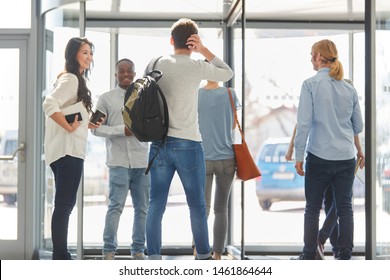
(11, 157)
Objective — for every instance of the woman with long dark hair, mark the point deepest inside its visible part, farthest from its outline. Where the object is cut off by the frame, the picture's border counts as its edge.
(67, 109)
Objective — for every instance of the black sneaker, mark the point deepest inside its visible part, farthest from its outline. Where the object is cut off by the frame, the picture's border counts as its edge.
(301, 257)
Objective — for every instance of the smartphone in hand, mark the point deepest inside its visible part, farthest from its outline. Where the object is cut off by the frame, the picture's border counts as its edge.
(97, 116)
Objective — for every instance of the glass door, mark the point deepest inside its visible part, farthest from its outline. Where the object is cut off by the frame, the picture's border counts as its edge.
(382, 131)
(95, 170)
(13, 55)
(61, 24)
(272, 94)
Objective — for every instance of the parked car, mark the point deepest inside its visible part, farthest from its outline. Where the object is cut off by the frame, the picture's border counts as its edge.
(279, 180)
(386, 187)
(383, 173)
(95, 170)
(8, 168)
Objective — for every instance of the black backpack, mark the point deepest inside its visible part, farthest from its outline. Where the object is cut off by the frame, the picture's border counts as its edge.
(145, 110)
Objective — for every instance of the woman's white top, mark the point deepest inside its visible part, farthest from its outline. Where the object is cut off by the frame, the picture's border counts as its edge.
(59, 142)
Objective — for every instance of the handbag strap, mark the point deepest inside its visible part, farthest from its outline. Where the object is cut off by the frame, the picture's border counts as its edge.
(235, 115)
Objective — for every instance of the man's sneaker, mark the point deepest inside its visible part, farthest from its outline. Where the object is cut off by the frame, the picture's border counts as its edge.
(139, 256)
(299, 258)
(109, 256)
(210, 258)
(320, 251)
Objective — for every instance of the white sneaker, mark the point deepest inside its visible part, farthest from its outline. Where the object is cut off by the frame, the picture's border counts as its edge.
(320, 251)
(138, 256)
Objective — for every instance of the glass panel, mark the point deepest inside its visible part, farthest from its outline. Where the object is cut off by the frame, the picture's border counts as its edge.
(306, 10)
(95, 206)
(131, 39)
(323, 10)
(9, 123)
(148, 9)
(95, 169)
(273, 79)
(383, 132)
(9, 9)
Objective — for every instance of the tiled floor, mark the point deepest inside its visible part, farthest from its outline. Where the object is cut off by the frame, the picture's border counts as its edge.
(47, 256)
(227, 257)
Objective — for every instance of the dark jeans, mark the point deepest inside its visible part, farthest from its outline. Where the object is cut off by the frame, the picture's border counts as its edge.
(330, 226)
(67, 174)
(320, 174)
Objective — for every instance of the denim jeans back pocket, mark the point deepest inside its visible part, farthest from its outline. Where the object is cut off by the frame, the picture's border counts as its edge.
(186, 158)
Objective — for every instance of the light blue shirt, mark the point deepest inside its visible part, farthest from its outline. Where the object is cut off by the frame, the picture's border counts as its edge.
(329, 112)
(122, 150)
(216, 122)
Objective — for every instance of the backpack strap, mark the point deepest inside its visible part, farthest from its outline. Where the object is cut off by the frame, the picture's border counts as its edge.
(156, 74)
(151, 161)
(150, 69)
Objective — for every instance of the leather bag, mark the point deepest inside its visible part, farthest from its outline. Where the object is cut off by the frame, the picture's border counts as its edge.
(246, 167)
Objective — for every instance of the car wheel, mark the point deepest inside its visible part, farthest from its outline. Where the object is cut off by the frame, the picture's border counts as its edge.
(10, 199)
(265, 204)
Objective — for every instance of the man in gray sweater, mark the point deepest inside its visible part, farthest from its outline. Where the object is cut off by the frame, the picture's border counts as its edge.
(182, 151)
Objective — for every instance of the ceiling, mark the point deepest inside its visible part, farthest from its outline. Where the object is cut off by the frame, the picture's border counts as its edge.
(224, 10)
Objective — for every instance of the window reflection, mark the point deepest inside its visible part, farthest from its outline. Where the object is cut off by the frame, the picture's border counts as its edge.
(9, 118)
(275, 69)
(383, 141)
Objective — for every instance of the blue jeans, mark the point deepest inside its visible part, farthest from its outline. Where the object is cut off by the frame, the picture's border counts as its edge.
(186, 157)
(320, 174)
(67, 174)
(121, 181)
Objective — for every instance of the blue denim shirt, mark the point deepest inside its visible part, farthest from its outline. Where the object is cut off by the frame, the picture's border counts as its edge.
(329, 117)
